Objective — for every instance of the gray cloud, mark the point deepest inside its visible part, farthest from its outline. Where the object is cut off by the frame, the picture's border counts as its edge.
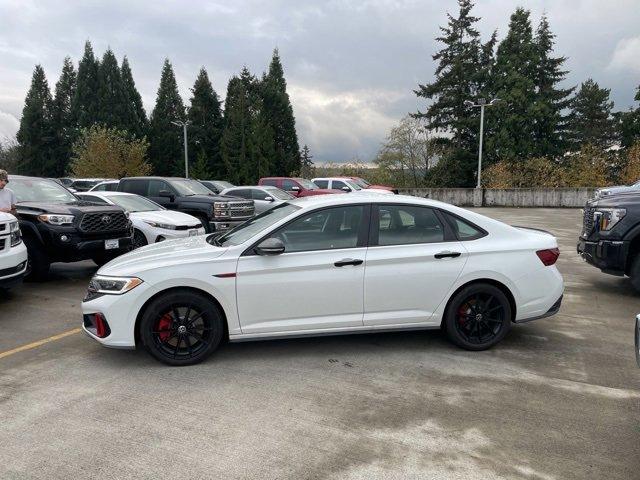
(351, 66)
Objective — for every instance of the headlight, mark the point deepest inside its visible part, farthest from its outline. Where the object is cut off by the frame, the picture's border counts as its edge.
(113, 285)
(221, 210)
(14, 233)
(57, 219)
(164, 226)
(607, 218)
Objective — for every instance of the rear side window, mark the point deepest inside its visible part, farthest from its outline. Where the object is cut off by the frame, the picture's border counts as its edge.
(463, 229)
(407, 225)
(111, 187)
(322, 183)
(138, 187)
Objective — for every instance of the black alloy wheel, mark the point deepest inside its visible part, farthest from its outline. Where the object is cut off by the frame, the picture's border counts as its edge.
(478, 317)
(182, 328)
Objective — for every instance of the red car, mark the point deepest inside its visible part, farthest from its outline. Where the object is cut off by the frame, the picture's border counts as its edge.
(364, 184)
(299, 187)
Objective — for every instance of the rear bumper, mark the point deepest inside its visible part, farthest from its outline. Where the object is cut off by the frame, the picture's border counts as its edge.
(555, 308)
(607, 255)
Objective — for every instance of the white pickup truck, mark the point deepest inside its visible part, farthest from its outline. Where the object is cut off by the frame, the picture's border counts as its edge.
(13, 253)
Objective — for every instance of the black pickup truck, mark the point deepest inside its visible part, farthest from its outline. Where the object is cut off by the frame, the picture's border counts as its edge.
(216, 212)
(610, 238)
(59, 227)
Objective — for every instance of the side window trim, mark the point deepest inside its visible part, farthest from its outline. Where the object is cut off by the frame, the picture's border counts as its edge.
(449, 217)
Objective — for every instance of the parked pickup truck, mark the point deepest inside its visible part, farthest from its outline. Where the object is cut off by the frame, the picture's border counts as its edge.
(299, 187)
(216, 212)
(13, 253)
(59, 227)
(610, 238)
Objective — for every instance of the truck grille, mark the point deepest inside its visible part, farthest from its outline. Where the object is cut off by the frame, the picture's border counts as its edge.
(103, 222)
(3, 226)
(587, 220)
(240, 210)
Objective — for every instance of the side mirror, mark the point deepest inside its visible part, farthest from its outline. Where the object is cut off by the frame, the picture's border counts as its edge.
(268, 199)
(346, 189)
(270, 246)
(295, 188)
(167, 194)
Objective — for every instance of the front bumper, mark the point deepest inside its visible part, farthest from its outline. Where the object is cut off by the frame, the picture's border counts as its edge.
(607, 255)
(221, 226)
(13, 265)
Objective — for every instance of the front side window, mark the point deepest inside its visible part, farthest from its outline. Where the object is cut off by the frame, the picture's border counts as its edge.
(406, 225)
(288, 185)
(322, 183)
(328, 229)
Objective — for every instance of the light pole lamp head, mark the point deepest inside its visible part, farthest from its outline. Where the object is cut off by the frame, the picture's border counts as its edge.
(494, 101)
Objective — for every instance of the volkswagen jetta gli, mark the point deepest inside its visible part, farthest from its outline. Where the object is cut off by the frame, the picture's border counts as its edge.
(324, 265)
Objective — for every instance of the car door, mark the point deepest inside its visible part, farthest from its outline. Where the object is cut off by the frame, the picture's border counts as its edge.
(316, 284)
(156, 186)
(412, 262)
(258, 195)
(292, 187)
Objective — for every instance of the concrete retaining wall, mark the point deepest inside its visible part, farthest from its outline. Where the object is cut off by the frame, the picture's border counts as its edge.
(508, 197)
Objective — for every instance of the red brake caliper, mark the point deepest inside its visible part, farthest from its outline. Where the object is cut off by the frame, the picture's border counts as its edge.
(164, 324)
(462, 311)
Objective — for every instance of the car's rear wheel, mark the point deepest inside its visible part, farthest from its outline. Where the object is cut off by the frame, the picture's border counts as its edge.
(38, 262)
(139, 240)
(478, 317)
(182, 328)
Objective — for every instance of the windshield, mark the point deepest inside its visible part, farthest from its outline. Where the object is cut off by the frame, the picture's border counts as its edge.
(134, 203)
(189, 187)
(222, 185)
(278, 194)
(257, 224)
(353, 184)
(40, 190)
(361, 182)
(308, 185)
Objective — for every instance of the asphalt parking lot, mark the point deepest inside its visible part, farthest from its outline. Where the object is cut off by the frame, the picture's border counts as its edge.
(559, 398)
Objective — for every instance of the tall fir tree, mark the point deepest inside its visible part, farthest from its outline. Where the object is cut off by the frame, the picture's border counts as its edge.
(206, 126)
(591, 121)
(463, 71)
(280, 119)
(112, 103)
(36, 136)
(306, 162)
(550, 119)
(237, 129)
(135, 119)
(514, 84)
(63, 121)
(166, 149)
(628, 124)
(86, 101)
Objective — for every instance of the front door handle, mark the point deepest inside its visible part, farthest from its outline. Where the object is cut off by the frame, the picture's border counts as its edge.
(447, 255)
(348, 261)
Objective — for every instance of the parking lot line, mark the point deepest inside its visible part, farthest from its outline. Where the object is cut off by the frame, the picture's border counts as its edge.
(37, 343)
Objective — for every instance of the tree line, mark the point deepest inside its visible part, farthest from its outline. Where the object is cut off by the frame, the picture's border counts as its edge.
(97, 106)
(535, 116)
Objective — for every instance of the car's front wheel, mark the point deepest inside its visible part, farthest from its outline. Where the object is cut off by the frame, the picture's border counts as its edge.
(182, 328)
(478, 317)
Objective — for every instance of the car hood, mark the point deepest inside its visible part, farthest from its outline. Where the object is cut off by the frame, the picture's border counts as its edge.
(620, 199)
(170, 217)
(617, 189)
(210, 198)
(71, 208)
(157, 255)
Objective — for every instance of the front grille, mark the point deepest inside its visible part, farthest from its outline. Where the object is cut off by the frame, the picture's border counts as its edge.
(587, 220)
(241, 209)
(188, 227)
(3, 226)
(103, 222)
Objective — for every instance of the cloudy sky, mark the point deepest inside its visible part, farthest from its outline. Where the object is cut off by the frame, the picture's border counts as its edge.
(351, 65)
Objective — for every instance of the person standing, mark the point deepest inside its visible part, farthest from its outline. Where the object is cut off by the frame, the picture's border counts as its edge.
(7, 197)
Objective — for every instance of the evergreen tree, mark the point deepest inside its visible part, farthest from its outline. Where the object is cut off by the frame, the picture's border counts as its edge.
(306, 162)
(280, 118)
(515, 75)
(112, 104)
(628, 124)
(549, 119)
(261, 148)
(590, 119)
(166, 149)
(206, 125)
(35, 135)
(63, 121)
(86, 101)
(135, 118)
(235, 137)
(200, 170)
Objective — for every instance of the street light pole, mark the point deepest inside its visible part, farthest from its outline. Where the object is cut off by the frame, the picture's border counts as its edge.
(481, 104)
(186, 153)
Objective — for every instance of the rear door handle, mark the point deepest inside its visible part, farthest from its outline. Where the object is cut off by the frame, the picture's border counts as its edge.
(447, 255)
(348, 261)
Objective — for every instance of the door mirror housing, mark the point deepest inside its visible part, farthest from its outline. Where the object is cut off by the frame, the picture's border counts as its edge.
(167, 194)
(346, 189)
(268, 199)
(270, 246)
(295, 188)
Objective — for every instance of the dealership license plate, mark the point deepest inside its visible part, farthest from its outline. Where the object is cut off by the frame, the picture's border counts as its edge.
(111, 244)
(193, 233)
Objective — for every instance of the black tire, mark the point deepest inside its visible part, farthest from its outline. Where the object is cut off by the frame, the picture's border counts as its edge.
(38, 262)
(634, 273)
(139, 240)
(478, 317)
(181, 328)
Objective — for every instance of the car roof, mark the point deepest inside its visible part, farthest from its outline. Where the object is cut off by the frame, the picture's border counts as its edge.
(108, 194)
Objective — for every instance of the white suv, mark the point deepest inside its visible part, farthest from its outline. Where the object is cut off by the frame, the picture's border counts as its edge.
(13, 253)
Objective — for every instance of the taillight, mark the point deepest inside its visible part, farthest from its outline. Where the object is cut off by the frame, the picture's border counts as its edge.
(549, 256)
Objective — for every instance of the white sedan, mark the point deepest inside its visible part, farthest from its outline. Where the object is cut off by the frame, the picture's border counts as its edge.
(325, 265)
(151, 222)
